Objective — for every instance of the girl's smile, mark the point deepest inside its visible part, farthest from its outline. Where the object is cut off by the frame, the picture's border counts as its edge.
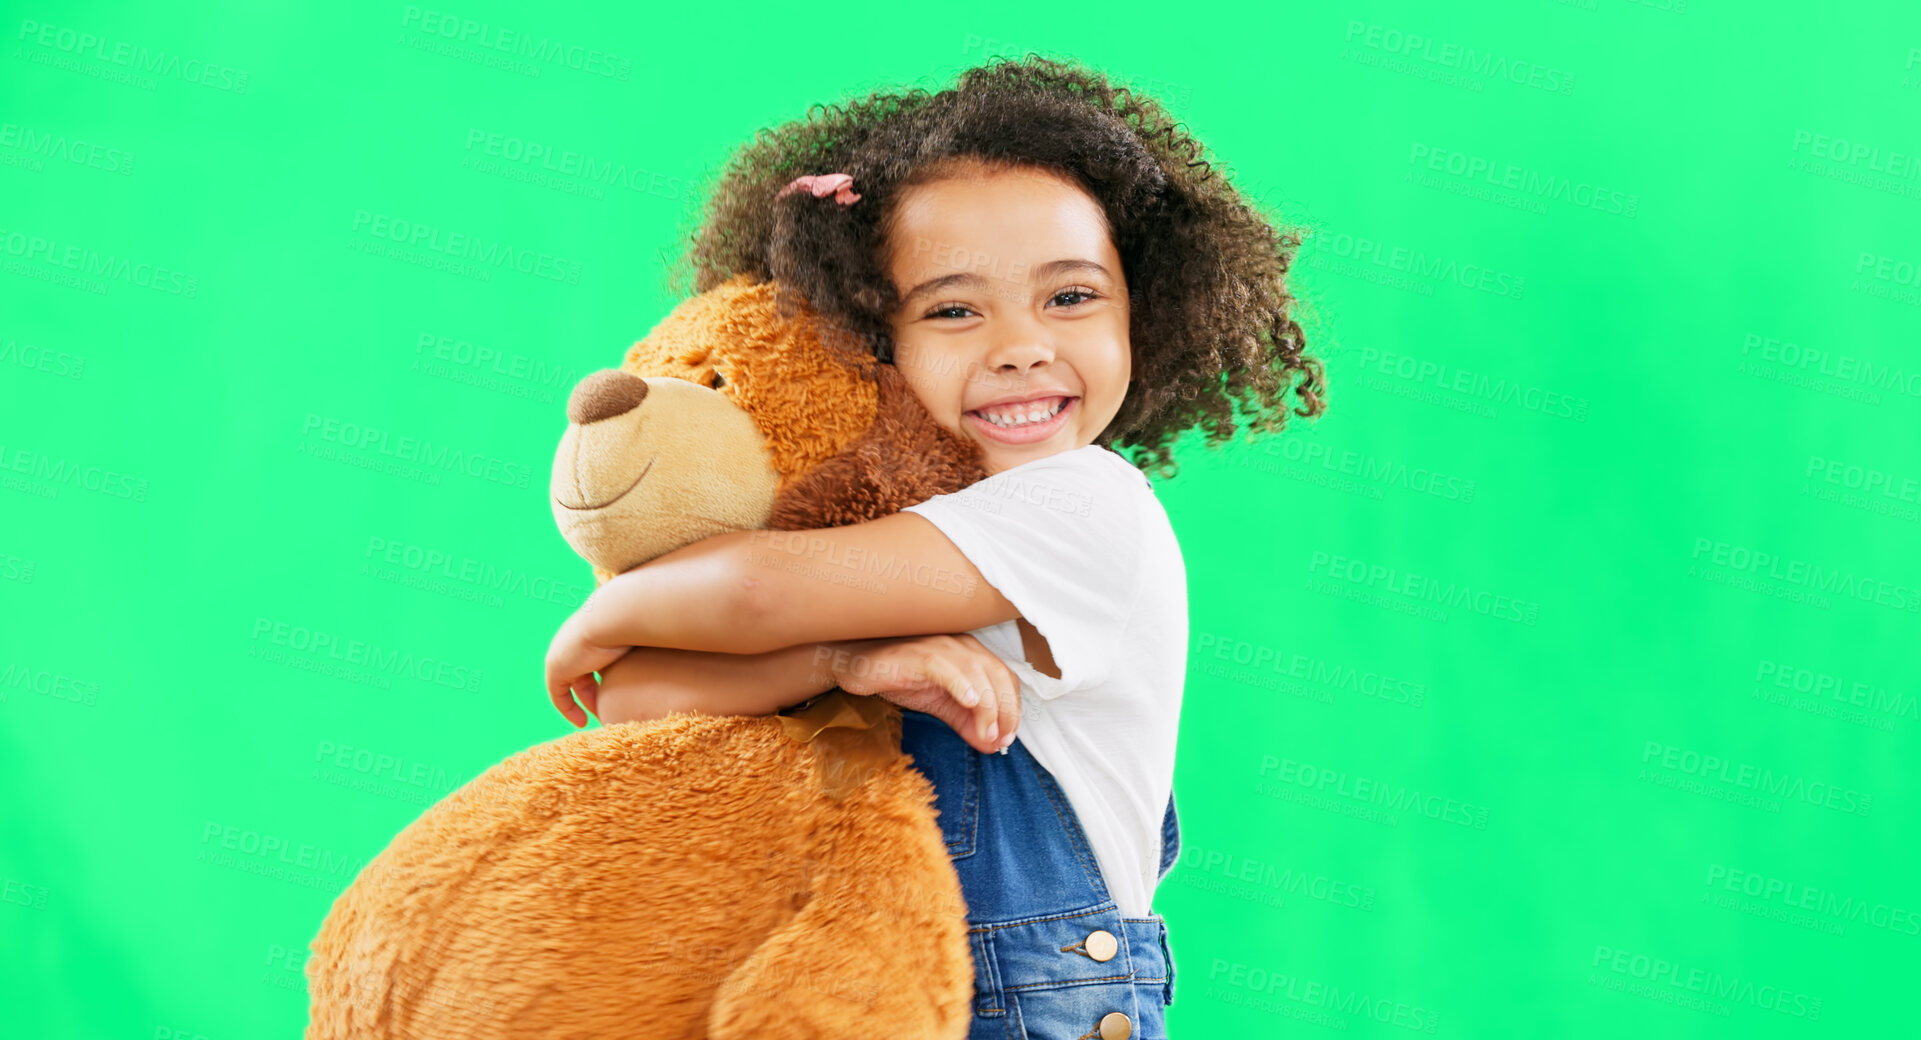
(1012, 326)
(1028, 420)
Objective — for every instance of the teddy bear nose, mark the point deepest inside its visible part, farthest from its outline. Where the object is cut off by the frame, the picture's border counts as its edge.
(605, 394)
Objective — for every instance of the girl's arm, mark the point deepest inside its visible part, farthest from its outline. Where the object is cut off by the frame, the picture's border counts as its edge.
(951, 677)
(758, 592)
(755, 592)
(649, 682)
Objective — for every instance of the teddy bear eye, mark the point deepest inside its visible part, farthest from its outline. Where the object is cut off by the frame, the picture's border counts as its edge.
(718, 381)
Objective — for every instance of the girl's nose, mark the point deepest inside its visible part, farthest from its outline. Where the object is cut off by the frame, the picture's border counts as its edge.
(1020, 352)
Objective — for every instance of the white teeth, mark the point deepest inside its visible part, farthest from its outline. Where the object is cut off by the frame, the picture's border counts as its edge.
(1021, 415)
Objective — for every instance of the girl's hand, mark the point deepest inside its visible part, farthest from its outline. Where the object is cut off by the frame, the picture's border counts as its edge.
(571, 662)
(953, 678)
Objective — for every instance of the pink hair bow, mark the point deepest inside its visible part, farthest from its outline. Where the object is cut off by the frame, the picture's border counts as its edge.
(841, 185)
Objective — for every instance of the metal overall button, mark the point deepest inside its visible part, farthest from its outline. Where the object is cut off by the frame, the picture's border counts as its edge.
(1114, 1026)
(1100, 945)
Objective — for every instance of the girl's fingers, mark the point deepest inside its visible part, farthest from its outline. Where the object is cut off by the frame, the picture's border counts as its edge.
(982, 708)
(989, 713)
(999, 684)
(588, 689)
(563, 699)
(939, 671)
(1007, 697)
(945, 674)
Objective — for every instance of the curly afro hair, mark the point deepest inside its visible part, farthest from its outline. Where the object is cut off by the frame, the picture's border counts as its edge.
(1206, 272)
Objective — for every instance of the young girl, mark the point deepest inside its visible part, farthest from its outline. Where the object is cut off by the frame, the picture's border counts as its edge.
(1055, 271)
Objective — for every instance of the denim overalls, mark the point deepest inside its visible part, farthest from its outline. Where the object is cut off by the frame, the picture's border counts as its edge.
(1053, 957)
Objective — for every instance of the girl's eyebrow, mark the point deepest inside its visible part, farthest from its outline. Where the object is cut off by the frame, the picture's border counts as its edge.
(971, 280)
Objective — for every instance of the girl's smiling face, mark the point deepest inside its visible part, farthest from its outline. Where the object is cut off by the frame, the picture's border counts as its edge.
(1012, 325)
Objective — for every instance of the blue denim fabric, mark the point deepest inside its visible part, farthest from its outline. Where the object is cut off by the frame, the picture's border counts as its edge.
(1035, 893)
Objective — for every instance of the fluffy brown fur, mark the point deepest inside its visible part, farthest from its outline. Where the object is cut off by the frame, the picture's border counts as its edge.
(891, 465)
(689, 877)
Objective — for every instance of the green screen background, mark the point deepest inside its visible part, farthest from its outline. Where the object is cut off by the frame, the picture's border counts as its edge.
(1559, 681)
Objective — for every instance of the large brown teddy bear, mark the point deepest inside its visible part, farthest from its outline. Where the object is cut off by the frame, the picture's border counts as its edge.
(696, 876)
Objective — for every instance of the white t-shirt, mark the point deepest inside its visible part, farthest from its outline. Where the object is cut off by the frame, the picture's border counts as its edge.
(1082, 548)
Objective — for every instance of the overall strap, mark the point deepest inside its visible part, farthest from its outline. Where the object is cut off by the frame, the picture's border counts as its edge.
(1170, 837)
(1042, 924)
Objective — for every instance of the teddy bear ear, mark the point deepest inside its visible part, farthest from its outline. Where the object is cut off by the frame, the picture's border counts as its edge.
(905, 457)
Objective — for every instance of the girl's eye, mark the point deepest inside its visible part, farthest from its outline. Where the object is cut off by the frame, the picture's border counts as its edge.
(1085, 294)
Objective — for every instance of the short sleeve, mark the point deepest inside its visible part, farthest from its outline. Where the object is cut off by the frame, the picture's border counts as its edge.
(1060, 538)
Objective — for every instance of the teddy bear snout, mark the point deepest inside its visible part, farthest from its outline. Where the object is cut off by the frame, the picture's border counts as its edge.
(605, 394)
